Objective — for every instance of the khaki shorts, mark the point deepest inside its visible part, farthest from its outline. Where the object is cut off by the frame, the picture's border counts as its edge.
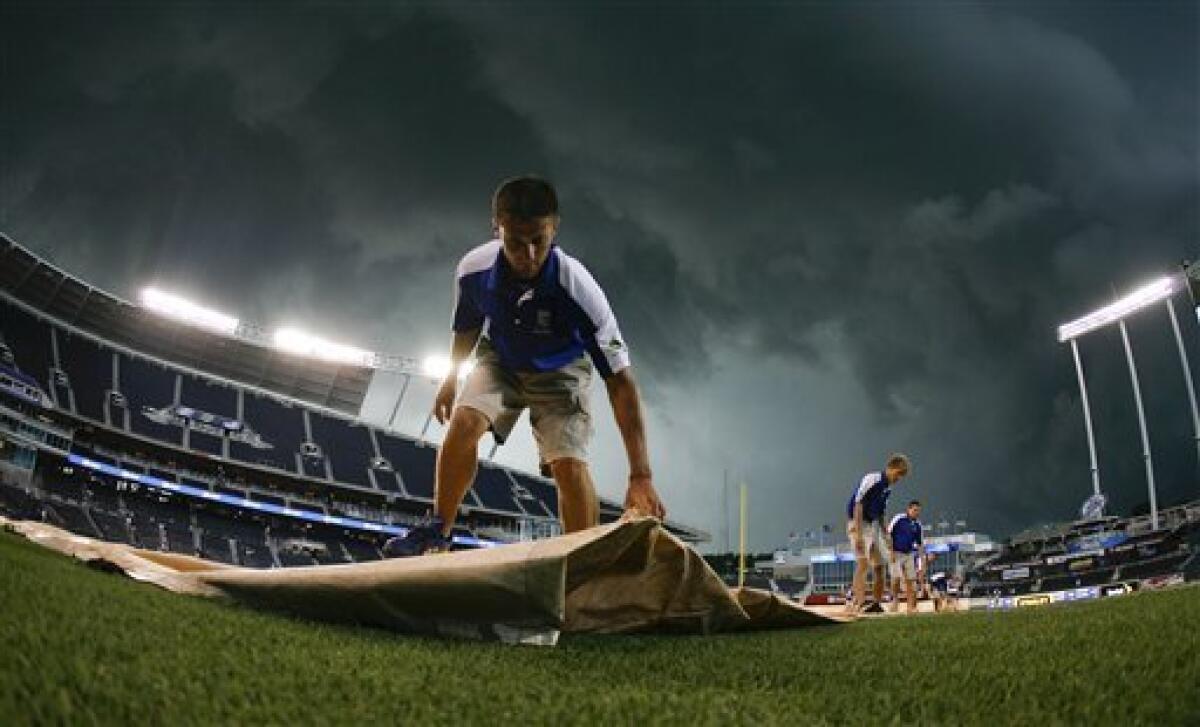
(904, 566)
(873, 542)
(557, 400)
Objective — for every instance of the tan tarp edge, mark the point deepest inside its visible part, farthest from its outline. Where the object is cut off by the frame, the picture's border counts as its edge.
(630, 576)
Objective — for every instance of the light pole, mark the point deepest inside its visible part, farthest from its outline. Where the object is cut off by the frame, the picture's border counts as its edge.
(1159, 290)
(1087, 417)
(1187, 376)
(1137, 400)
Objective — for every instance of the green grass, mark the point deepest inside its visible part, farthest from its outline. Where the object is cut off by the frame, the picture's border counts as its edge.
(78, 646)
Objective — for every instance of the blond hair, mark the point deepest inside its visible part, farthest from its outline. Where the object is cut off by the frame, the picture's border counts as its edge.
(898, 461)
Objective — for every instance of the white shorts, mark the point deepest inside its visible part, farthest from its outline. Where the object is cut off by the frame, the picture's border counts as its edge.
(557, 400)
(904, 566)
(872, 539)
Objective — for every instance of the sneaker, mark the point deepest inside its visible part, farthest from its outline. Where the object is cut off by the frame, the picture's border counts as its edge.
(420, 540)
(872, 607)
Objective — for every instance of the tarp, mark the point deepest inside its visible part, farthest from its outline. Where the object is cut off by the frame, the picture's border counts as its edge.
(625, 577)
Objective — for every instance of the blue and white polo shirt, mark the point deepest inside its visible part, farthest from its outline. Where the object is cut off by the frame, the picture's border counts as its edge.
(873, 493)
(906, 533)
(542, 324)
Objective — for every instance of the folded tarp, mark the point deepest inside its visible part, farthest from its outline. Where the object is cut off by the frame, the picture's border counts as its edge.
(625, 577)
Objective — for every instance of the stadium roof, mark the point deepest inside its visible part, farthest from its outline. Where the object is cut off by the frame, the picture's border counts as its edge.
(246, 357)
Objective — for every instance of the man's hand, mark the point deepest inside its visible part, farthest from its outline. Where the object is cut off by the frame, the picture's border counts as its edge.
(642, 499)
(443, 402)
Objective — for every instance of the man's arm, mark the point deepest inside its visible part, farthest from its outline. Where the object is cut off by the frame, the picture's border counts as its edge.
(627, 409)
(460, 349)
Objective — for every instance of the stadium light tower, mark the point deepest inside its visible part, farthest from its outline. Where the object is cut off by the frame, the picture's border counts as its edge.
(304, 344)
(1160, 290)
(181, 309)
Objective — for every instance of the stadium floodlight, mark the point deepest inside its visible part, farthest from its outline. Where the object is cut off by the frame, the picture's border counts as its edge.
(181, 309)
(304, 344)
(438, 367)
(1150, 294)
(1159, 291)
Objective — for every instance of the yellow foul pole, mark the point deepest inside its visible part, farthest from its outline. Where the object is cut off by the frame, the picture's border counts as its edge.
(742, 538)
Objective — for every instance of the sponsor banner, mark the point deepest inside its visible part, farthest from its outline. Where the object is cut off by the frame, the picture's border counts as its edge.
(1012, 574)
(1081, 594)
(186, 417)
(1097, 541)
(1064, 557)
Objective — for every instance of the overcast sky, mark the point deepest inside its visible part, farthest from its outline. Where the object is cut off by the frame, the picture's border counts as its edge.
(828, 231)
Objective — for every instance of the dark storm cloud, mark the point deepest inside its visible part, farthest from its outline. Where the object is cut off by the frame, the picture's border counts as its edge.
(941, 185)
(904, 200)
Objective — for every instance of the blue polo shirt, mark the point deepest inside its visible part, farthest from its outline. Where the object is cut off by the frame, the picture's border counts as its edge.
(542, 324)
(873, 493)
(906, 533)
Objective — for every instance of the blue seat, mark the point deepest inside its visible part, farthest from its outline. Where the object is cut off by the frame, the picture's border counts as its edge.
(112, 527)
(147, 384)
(207, 396)
(414, 462)
(207, 443)
(494, 489)
(314, 467)
(89, 368)
(254, 555)
(279, 425)
(215, 547)
(387, 481)
(545, 492)
(347, 447)
(29, 339)
(72, 518)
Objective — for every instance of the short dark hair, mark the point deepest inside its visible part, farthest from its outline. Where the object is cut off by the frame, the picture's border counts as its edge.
(526, 197)
(914, 502)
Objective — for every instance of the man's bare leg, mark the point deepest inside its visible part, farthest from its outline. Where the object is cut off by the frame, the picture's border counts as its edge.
(877, 586)
(456, 463)
(577, 504)
(860, 583)
(895, 595)
(911, 588)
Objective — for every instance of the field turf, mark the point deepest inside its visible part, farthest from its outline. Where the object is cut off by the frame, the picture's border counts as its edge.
(78, 646)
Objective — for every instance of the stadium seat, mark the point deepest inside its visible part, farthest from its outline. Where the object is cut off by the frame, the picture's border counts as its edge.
(207, 396)
(17, 503)
(113, 528)
(29, 340)
(71, 517)
(89, 370)
(414, 462)
(494, 489)
(147, 384)
(545, 492)
(280, 426)
(347, 447)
